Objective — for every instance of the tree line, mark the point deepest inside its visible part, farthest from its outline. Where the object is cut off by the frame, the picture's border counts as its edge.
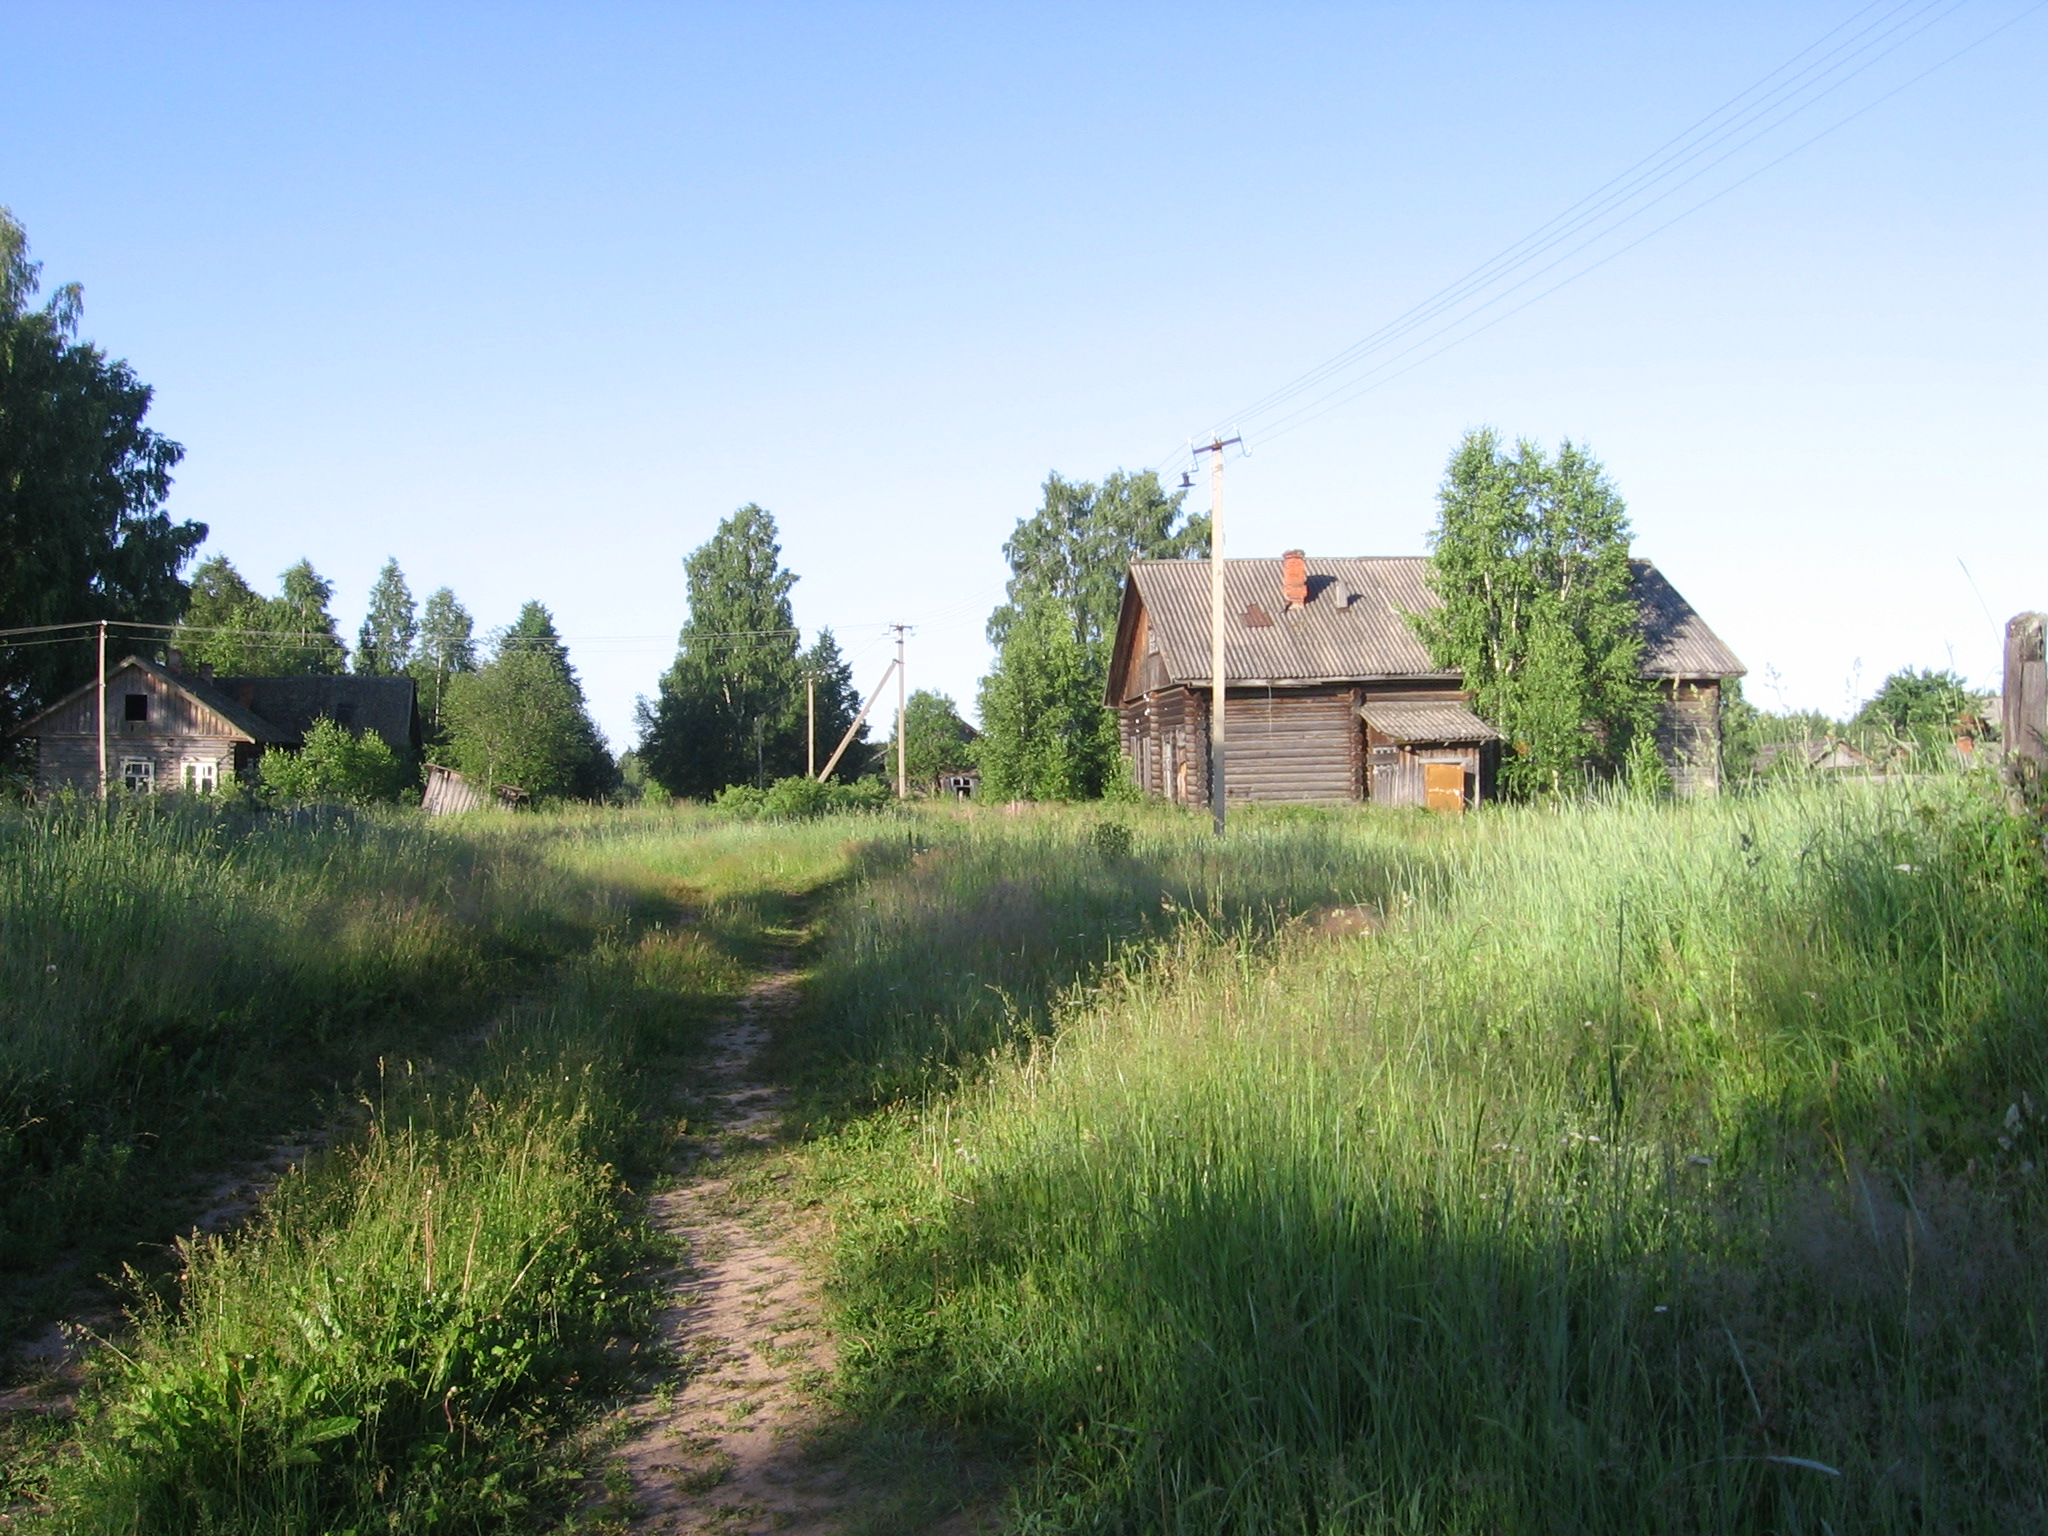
(1529, 556)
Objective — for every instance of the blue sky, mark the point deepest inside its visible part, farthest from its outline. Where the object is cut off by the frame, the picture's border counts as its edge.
(532, 296)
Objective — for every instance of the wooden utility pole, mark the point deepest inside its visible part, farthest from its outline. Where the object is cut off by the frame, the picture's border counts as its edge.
(102, 690)
(902, 714)
(847, 740)
(811, 725)
(1217, 678)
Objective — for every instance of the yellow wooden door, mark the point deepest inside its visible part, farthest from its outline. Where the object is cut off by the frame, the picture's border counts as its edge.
(1443, 787)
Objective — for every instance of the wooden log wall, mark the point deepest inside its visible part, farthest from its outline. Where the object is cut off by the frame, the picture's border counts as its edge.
(2025, 702)
(1689, 736)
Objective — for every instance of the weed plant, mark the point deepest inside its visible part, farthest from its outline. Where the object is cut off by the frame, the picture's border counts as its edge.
(1619, 1168)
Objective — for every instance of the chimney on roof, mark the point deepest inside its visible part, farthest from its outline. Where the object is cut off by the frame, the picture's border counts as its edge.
(206, 671)
(1294, 578)
(174, 659)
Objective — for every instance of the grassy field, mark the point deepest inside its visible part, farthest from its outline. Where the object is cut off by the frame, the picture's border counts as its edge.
(1616, 1169)
(398, 1339)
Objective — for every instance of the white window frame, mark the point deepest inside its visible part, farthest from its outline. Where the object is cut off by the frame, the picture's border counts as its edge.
(199, 775)
(138, 775)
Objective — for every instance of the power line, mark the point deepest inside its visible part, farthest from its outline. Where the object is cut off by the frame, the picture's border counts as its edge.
(1480, 289)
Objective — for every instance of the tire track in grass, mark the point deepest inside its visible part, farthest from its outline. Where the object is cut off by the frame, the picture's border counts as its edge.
(742, 1439)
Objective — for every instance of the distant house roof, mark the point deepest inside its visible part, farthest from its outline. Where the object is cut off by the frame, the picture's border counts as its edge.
(1420, 720)
(240, 718)
(1829, 753)
(1352, 628)
(278, 710)
(386, 705)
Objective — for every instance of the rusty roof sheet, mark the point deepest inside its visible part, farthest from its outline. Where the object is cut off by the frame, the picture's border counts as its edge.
(1412, 720)
(1352, 628)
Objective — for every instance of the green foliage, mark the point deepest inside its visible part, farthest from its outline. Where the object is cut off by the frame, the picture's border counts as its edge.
(1075, 549)
(1530, 556)
(521, 719)
(1046, 732)
(801, 798)
(83, 534)
(399, 1341)
(1920, 707)
(731, 707)
(384, 644)
(936, 739)
(334, 766)
(445, 649)
(1599, 1169)
(237, 632)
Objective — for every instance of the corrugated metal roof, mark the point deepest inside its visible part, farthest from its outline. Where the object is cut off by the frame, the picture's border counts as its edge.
(1353, 629)
(1426, 720)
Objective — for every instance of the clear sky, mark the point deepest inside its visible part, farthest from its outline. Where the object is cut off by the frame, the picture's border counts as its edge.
(531, 296)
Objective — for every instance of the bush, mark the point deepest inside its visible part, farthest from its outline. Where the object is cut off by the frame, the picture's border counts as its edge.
(800, 798)
(335, 765)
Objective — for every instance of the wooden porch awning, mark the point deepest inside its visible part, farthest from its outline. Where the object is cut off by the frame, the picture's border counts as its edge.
(1425, 720)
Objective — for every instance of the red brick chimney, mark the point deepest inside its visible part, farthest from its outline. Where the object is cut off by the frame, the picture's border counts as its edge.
(1294, 578)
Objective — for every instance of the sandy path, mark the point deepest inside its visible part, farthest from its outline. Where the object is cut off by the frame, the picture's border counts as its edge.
(726, 1452)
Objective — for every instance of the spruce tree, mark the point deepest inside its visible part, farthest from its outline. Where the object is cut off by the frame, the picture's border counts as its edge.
(1531, 560)
(390, 626)
(837, 702)
(730, 708)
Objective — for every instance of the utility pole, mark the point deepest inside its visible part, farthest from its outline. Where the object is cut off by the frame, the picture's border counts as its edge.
(1216, 670)
(102, 676)
(902, 719)
(811, 725)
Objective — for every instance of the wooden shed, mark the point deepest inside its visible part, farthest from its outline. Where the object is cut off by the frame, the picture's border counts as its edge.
(1333, 698)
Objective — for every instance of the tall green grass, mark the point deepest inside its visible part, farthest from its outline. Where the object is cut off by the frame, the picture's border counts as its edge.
(1649, 1168)
(176, 979)
(399, 1339)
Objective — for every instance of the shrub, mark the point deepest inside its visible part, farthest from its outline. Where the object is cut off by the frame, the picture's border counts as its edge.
(335, 765)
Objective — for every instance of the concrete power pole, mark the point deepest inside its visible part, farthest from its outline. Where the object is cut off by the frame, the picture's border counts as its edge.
(1217, 678)
(902, 712)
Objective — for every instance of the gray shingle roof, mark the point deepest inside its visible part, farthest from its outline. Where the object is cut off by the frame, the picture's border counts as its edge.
(385, 705)
(1426, 720)
(1353, 630)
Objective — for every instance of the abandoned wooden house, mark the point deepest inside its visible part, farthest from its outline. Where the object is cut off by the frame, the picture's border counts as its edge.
(171, 729)
(1332, 697)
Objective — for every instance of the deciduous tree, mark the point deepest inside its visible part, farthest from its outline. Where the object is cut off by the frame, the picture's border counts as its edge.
(1531, 559)
(1046, 734)
(384, 643)
(232, 629)
(521, 720)
(730, 708)
(936, 739)
(446, 648)
(83, 533)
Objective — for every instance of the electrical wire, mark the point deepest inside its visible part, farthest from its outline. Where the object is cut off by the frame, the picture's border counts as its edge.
(1620, 201)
